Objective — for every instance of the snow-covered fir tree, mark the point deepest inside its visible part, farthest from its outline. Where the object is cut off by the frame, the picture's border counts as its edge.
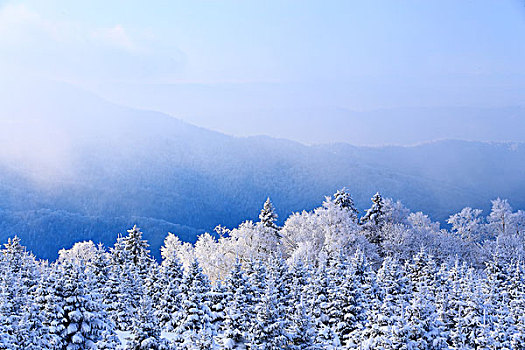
(279, 275)
(299, 276)
(257, 275)
(421, 270)
(137, 252)
(425, 330)
(300, 332)
(496, 301)
(343, 199)
(169, 296)
(268, 216)
(516, 293)
(386, 326)
(239, 305)
(195, 314)
(76, 318)
(145, 330)
(268, 331)
(373, 220)
(9, 321)
(218, 296)
(318, 307)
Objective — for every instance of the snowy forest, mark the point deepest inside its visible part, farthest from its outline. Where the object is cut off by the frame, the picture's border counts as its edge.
(329, 278)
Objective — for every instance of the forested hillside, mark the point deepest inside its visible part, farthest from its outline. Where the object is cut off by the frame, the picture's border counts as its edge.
(75, 167)
(326, 279)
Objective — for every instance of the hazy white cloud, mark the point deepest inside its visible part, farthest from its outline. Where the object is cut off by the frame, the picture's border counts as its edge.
(22, 27)
(115, 36)
(75, 51)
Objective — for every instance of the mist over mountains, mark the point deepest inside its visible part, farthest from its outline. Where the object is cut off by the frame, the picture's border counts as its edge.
(74, 167)
(327, 112)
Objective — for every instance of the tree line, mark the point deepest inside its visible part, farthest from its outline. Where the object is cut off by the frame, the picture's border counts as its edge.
(327, 279)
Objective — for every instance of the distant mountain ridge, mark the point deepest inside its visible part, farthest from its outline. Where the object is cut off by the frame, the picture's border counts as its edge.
(322, 112)
(76, 167)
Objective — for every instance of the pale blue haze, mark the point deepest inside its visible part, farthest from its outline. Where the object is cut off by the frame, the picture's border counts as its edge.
(246, 67)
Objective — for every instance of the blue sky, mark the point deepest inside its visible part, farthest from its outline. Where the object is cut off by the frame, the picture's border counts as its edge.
(351, 54)
(239, 41)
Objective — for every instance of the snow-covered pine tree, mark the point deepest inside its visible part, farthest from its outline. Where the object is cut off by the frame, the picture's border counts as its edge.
(374, 215)
(131, 263)
(386, 323)
(123, 289)
(152, 285)
(301, 333)
(8, 320)
(366, 294)
(70, 317)
(138, 254)
(317, 300)
(201, 340)
(145, 331)
(21, 316)
(31, 333)
(451, 305)
(425, 330)
(326, 339)
(342, 301)
(299, 276)
(343, 199)
(516, 292)
(496, 303)
(268, 216)
(218, 306)
(102, 287)
(99, 269)
(195, 313)
(234, 331)
(50, 297)
(422, 271)
(19, 275)
(170, 299)
(237, 283)
(118, 253)
(83, 320)
(346, 312)
(21, 262)
(442, 297)
(13, 299)
(268, 331)
(373, 220)
(128, 295)
(472, 328)
(14, 254)
(170, 279)
(279, 275)
(256, 272)
(109, 340)
(110, 294)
